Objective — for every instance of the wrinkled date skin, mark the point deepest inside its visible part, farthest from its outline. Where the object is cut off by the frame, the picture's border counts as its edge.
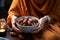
(27, 22)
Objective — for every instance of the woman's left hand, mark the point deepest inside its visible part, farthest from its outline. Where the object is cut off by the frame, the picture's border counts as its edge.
(41, 24)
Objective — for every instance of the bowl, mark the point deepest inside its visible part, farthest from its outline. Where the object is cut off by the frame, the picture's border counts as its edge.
(27, 28)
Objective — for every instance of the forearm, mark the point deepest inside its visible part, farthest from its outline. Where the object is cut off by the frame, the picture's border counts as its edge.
(10, 17)
(12, 11)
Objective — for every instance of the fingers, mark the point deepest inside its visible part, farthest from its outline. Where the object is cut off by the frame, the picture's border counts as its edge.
(48, 17)
(40, 26)
(44, 19)
(16, 29)
(13, 19)
(13, 24)
(37, 29)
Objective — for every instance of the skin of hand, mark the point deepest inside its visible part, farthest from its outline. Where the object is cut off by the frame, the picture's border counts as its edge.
(13, 24)
(41, 24)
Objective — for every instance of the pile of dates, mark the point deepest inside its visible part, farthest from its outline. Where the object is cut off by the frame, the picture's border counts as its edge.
(27, 22)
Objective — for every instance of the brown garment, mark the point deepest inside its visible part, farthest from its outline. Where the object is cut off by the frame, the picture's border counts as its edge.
(29, 7)
(38, 8)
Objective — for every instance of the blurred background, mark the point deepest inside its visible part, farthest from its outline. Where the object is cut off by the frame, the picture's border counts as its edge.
(4, 7)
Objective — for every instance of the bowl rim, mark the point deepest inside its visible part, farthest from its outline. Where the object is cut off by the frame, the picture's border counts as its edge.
(26, 17)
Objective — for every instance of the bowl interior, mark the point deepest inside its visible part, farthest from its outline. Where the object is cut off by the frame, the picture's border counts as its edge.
(34, 18)
(26, 28)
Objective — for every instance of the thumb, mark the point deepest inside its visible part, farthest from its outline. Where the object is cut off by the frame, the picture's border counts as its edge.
(13, 19)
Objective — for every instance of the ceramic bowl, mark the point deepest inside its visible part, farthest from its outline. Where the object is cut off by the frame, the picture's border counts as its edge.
(27, 29)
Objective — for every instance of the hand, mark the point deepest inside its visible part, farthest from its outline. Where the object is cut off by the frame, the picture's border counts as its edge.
(39, 27)
(41, 24)
(13, 24)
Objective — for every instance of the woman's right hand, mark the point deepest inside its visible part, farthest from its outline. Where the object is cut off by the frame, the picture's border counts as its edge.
(13, 24)
(16, 30)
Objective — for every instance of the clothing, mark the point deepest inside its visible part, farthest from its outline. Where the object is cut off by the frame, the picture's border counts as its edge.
(37, 8)
(29, 7)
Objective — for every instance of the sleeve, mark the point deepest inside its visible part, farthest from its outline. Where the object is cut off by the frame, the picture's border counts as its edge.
(12, 11)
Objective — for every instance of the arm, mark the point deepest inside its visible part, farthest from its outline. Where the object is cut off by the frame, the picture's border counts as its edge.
(12, 11)
(12, 15)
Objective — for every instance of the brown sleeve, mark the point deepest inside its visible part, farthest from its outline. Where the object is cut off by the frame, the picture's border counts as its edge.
(12, 11)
